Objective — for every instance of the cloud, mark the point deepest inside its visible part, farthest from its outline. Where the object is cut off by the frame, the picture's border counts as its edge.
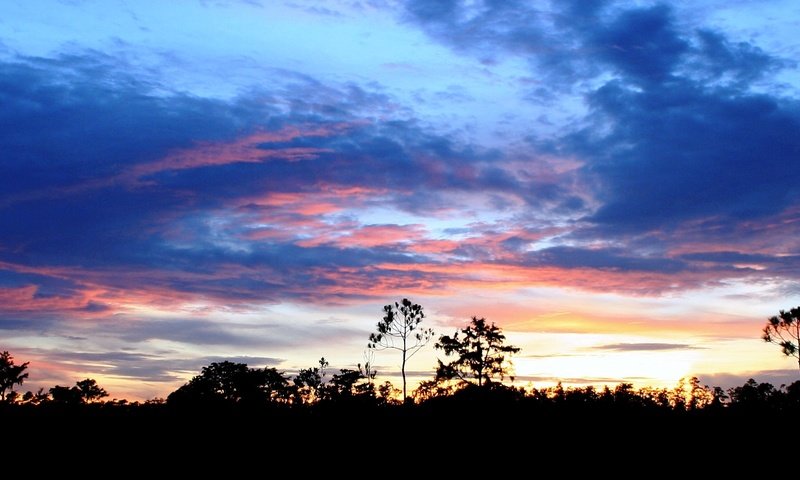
(687, 147)
(675, 132)
(140, 215)
(682, 153)
(722, 61)
(142, 367)
(644, 347)
(370, 236)
(483, 28)
(732, 380)
(158, 196)
(568, 257)
(641, 43)
(161, 198)
(578, 381)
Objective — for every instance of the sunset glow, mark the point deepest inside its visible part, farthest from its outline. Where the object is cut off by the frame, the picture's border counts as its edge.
(615, 184)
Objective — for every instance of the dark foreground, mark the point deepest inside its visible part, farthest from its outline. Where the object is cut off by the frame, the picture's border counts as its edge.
(484, 427)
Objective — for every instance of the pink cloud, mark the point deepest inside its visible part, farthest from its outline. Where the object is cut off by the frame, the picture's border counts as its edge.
(26, 298)
(297, 203)
(368, 236)
(377, 235)
(116, 289)
(769, 236)
(305, 218)
(433, 246)
(248, 149)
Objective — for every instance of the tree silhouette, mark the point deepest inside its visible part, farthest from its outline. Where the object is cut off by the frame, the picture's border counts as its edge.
(90, 391)
(343, 385)
(271, 385)
(37, 398)
(387, 394)
(66, 395)
(753, 395)
(429, 389)
(480, 353)
(784, 330)
(399, 330)
(678, 395)
(368, 370)
(368, 373)
(309, 382)
(700, 396)
(718, 398)
(234, 383)
(10, 374)
(219, 381)
(85, 391)
(226, 379)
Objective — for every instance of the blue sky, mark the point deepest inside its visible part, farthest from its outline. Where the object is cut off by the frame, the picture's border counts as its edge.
(614, 183)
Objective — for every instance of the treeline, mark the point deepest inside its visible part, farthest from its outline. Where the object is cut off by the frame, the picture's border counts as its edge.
(229, 386)
(234, 385)
(478, 361)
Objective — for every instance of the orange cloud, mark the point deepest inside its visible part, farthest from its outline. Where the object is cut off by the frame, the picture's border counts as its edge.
(115, 289)
(84, 302)
(451, 277)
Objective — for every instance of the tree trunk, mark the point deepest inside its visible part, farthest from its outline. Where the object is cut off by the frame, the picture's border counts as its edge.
(480, 365)
(403, 369)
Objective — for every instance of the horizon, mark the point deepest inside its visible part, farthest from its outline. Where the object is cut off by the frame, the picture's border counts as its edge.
(615, 185)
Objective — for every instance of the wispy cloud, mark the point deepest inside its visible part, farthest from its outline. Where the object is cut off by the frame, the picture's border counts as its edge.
(644, 347)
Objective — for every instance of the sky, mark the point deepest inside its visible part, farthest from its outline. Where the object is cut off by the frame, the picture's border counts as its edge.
(615, 184)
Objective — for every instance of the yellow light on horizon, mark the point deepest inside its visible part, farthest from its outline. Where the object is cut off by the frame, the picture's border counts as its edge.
(663, 368)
